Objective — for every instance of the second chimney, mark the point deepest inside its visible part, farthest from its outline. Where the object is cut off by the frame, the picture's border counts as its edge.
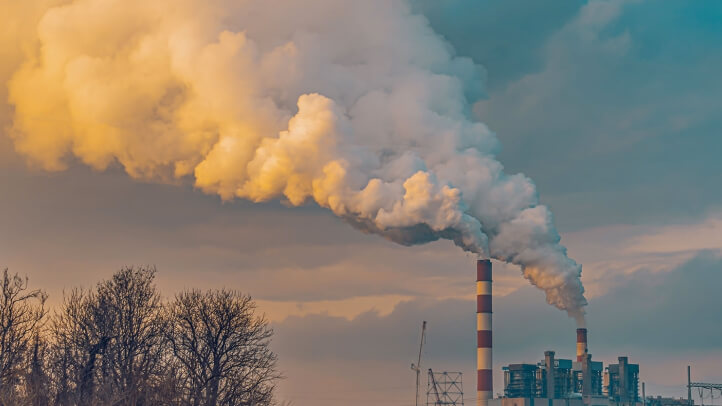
(581, 344)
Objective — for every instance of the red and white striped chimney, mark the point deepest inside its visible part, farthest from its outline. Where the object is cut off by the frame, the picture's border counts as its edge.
(581, 344)
(485, 383)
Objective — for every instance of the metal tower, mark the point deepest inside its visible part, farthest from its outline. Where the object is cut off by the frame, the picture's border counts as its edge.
(444, 388)
(701, 387)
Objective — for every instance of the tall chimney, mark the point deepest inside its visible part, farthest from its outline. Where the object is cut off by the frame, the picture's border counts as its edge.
(623, 379)
(551, 379)
(581, 344)
(484, 382)
(587, 375)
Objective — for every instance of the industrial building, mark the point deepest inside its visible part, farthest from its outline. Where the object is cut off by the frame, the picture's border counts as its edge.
(552, 381)
(660, 401)
(564, 382)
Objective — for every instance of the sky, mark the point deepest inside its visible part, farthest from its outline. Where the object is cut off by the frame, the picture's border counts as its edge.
(610, 107)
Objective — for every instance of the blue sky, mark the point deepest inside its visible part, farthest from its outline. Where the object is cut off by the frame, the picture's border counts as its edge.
(611, 107)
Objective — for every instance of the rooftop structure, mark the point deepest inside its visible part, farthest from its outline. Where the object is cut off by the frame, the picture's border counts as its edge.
(621, 382)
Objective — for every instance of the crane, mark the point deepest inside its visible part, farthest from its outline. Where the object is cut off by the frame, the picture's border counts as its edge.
(417, 367)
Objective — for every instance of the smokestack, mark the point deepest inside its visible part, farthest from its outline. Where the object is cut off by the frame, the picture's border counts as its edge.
(484, 383)
(587, 375)
(623, 379)
(551, 379)
(581, 344)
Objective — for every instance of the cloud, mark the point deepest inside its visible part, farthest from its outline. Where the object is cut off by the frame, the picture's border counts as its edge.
(614, 252)
(348, 308)
(705, 235)
(663, 310)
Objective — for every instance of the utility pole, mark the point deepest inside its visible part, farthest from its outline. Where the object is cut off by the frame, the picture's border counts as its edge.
(417, 367)
(689, 386)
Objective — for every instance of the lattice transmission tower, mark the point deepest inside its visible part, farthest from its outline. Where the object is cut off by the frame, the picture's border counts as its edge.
(444, 388)
(701, 387)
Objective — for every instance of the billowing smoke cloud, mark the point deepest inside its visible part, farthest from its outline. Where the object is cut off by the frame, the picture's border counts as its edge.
(356, 105)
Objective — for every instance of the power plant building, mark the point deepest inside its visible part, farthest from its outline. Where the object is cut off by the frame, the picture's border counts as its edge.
(582, 383)
(622, 382)
(552, 378)
(552, 381)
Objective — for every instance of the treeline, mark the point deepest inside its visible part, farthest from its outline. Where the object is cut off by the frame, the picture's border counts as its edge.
(120, 343)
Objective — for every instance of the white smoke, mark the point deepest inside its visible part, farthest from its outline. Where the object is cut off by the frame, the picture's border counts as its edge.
(356, 105)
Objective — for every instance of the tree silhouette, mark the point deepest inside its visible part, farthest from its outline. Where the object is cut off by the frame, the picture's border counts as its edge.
(119, 344)
(223, 348)
(21, 315)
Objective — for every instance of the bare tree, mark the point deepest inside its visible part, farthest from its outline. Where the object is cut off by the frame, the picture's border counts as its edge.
(108, 343)
(37, 382)
(170, 384)
(223, 347)
(80, 334)
(116, 344)
(21, 315)
(134, 352)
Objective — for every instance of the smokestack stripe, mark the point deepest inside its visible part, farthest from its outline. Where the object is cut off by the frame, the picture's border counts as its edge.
(484, 366)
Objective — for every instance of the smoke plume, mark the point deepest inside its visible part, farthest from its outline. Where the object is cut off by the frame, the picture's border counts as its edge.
(357, 106)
